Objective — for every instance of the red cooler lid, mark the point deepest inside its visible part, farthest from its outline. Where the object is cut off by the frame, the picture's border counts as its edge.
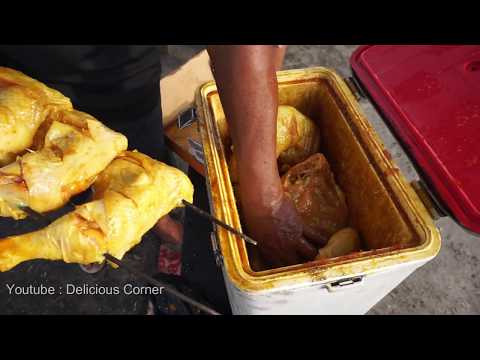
(430, 94)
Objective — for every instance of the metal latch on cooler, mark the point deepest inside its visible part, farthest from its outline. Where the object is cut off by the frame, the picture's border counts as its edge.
(355, 88)
(344, 284)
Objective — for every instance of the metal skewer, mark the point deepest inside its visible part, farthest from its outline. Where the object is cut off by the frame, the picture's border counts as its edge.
(219, 222)
(37, 217)
(44, 221)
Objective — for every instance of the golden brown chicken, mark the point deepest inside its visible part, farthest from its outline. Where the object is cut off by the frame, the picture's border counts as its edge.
(343, 242)
(131, 194)
(73, 149)
(318, 199)
(298, 137)
(24, 104)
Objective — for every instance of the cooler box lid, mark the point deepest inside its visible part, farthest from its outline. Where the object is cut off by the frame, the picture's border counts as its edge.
(430, 95)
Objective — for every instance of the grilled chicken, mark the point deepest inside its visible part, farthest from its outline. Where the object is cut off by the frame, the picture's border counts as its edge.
(24, 104)
(298, 137)
(72, 149)
(343, 242)
(131, 194)
(318, 199)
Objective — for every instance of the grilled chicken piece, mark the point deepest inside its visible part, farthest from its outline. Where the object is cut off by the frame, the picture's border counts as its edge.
(298, 138)
(73, 149)
(343, 242)
(24, 104)
(318, 199)
(131, 194)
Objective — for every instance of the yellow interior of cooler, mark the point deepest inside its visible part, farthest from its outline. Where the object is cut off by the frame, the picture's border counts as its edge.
(374, 208)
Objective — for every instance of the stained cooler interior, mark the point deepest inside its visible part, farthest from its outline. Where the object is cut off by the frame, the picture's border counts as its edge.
(375, 210)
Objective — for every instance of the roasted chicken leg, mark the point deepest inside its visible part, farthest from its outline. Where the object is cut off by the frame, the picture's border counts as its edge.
(73, 149)
(131, 194)
(24, 104)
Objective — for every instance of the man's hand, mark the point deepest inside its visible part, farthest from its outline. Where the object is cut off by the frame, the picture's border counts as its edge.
(247, 83)
(271, 218)
(280, 234)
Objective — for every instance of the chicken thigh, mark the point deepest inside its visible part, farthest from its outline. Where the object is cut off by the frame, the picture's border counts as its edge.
(129, 197)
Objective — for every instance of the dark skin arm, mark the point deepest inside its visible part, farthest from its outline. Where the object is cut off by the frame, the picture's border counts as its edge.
(246, 79)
